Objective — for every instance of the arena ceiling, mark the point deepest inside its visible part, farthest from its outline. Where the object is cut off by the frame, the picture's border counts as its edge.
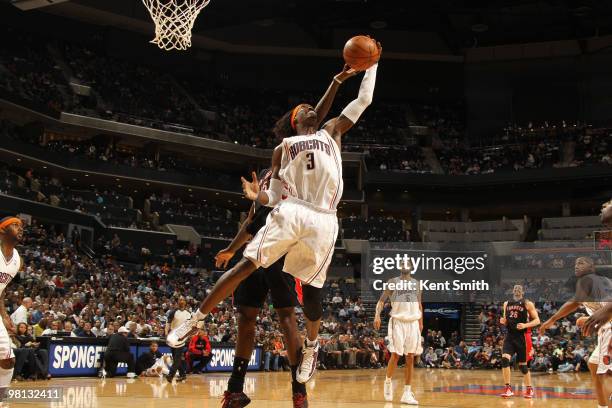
(438, 26)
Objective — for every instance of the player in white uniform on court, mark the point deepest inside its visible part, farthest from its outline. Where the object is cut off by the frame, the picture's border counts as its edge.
(593, 292)
(404, 332)
(304, 226)
(11, 232)
(160, 368)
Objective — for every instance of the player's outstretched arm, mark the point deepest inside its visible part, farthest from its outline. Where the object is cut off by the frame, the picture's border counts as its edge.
(327, 100)
(242, 237)
(353, 111)
(273, 194)
(567, 308)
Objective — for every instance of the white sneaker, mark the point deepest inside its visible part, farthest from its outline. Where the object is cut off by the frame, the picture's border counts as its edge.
(178, 337)
(130, 375)
(388, 391)
(408, 398)
(308, 365)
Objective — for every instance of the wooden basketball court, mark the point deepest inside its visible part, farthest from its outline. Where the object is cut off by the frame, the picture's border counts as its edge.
(356, 388)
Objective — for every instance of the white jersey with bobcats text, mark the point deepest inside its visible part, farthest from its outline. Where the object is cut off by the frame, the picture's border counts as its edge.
(311, 169)
(600, 294)
(8, 270)
(405, 303)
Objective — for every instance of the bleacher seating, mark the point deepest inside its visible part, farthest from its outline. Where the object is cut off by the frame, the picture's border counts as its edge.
(373, 229)
(479, 231)
(569, 228)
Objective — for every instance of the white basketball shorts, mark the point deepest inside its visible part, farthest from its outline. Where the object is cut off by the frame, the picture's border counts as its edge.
(404, 337)
(304, 233)
(601, 355)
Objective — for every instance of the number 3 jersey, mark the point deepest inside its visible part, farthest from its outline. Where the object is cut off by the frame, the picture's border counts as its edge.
(311, 169)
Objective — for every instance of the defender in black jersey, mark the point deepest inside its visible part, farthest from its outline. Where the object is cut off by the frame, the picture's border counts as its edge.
(519, 316)
(594, 292)
(285, 294)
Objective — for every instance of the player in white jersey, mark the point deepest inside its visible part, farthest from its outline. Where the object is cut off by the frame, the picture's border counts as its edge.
(160, 368)
(11, 232)
(593, 292)
(302, 227)
(404, 330)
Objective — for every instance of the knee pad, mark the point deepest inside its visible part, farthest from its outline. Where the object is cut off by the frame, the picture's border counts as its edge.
(313, 306)
(505, 362)
(524, 369)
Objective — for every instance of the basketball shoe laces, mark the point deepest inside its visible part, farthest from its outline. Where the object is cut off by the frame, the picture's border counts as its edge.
(308, 357)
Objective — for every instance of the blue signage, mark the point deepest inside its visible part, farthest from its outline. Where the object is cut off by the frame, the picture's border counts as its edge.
(80, 358)
(445, 310)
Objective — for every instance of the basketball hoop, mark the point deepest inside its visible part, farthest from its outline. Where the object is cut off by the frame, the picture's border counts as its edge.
(174, 21)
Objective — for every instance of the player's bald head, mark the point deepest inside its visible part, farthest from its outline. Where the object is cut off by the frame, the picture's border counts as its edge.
(518, 292)
(584, 265)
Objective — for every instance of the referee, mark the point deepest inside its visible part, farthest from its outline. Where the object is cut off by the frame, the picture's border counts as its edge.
(175, 319)
(118, 351)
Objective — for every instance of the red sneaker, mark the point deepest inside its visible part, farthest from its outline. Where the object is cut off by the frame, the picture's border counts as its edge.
(300, 400)
(508, 392)
(235, 400)
(529, 393)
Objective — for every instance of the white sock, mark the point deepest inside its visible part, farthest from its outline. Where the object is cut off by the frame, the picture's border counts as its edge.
(5, 381)
(199, 315)
(407, 388)
(602, 406)
(387, 379)
(311, 343)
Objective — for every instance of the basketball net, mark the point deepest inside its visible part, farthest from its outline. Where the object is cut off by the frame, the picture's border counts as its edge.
(174, 21)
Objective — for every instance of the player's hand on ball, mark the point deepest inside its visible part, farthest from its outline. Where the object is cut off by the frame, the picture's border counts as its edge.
(223, 257)
(250, 188)
(377, 322)
(346, 73)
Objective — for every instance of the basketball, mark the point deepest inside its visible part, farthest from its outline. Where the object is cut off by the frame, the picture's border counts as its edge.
(361, 52)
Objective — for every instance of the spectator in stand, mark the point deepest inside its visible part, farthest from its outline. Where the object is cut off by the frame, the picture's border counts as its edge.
(199, 351)
(25, 361)
(39, 356)
(20, 315)
(431, 358)
(541, 363)
(87, 330)
(55, 327)
(450, 359)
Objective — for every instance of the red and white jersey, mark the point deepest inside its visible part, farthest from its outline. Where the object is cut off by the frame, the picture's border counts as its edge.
(8, 269)
(311, 169)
